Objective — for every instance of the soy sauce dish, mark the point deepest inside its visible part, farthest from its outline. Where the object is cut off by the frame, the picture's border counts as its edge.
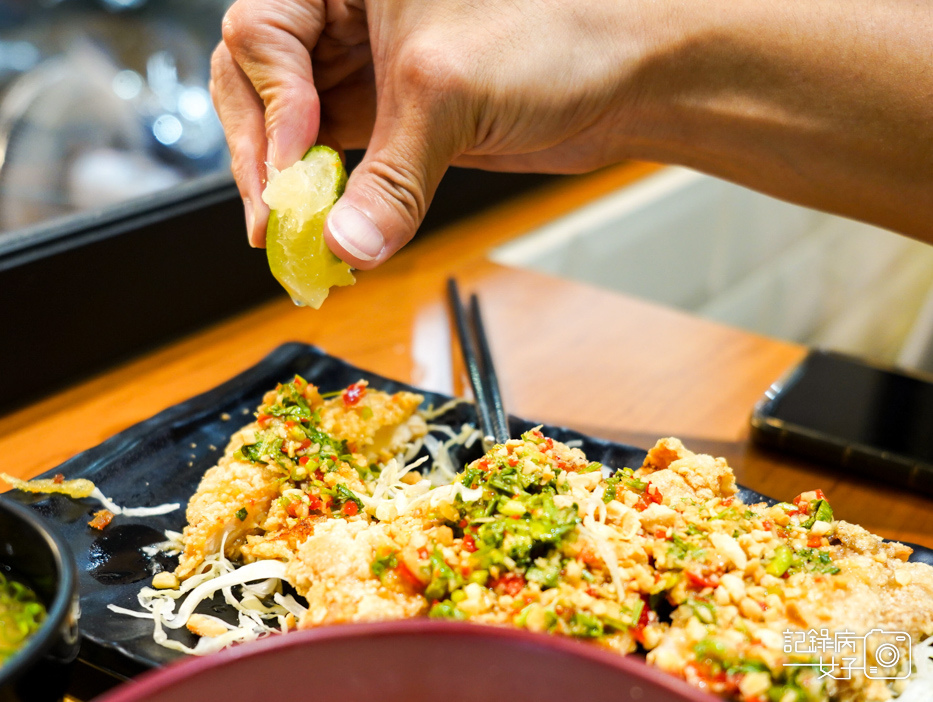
(35, 556)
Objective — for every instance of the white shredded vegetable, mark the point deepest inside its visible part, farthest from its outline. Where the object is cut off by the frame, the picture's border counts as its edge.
(443, 471)
(133, 511)
(432, 413)
(920, 688)
(173, 544)
(221, 574)
(600, 535)
(391, 497)
(254, 590)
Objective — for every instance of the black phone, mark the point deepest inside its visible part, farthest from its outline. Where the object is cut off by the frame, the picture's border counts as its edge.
(863, 418)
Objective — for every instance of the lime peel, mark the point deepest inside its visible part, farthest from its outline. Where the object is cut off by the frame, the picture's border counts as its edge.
(300, 197)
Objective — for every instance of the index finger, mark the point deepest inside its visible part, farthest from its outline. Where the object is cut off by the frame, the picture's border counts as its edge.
(241, 113)
(271, 41)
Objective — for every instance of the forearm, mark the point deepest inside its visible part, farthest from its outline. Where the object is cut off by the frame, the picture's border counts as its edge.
(827, 103)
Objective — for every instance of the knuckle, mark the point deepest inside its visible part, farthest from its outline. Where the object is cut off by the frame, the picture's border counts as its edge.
(232, 29)
(403, 186)
(429, 67)
(246, 28)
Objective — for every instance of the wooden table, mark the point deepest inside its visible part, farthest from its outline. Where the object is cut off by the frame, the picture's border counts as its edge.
(599, 362)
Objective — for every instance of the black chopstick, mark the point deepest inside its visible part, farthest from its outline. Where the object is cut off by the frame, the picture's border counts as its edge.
(475, 349)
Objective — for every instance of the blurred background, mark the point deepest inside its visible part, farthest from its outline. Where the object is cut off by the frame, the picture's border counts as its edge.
(102, 101)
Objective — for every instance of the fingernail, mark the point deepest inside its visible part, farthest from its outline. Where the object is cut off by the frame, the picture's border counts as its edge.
(355, 232)
(270, 153)
(248, 211)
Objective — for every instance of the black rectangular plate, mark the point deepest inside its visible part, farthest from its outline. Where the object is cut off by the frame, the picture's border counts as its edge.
(162, 460)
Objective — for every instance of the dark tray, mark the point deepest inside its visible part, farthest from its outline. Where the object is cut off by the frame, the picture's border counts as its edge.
(162, 460)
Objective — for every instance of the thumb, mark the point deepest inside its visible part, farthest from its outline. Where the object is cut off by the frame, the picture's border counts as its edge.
(388, 194)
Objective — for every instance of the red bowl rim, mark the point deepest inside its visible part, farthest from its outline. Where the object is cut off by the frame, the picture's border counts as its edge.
(177, 673)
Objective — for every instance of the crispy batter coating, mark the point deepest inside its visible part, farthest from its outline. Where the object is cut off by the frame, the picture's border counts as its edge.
(378, 426)
(680, 473)
(332, 571)
(533, 535)
(230, 486)
(258, 507)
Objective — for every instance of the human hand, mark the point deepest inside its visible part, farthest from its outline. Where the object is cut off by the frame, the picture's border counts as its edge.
(766, 95)
(526, 86)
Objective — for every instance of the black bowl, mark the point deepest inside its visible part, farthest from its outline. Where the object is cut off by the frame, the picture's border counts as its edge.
(31, 552)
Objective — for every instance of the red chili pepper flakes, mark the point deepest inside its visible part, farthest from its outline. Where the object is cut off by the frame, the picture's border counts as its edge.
(406, 575)
(315, 504)
(638, 631)
(767, 524)
(803, 506)
(303, 461)
(469, 543)
(350, 508)
(699, 580)
(423, 553)
(101, 519)
(58, 478)
(814, 541)
(588, 556)
(700, 673)
(263, 420)
(652, 494)
(660, 533)
(727, 502)
(353, 394)
(508, 584)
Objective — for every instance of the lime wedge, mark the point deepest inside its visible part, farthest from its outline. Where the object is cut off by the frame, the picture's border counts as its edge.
(300, 198)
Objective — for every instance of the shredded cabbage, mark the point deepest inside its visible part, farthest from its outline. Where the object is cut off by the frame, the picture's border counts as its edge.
(391, 496)
(132, 511)
(432, 413)
(221, 574)
(599, 534)
(443, 471)
(920, 688)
